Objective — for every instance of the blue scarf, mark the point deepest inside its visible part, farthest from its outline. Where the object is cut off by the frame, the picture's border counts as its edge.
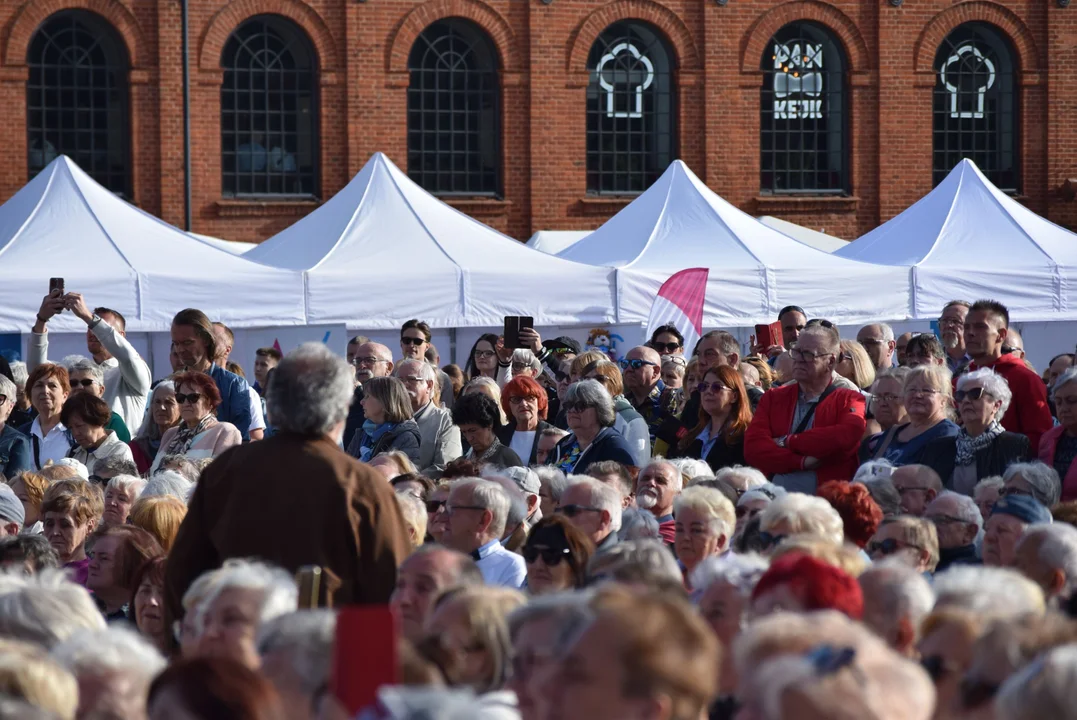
(372, 432)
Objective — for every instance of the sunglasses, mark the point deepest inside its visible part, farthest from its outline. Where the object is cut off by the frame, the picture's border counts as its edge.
(889, 546)
(574, 510)
(714, 387)
(550, 556)
(634, 364)
(434, 506)
(85, 382)
(574, 407)
(192, 398)
(971, 394)
(766, 540)
(665, 347)
(412, 341)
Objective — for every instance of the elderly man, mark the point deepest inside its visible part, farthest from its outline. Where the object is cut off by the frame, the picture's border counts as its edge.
(958, 522)
(900, 344)
(952, 335)
(808, 432)
(428, 572)
(878, 340)
(713, 349)
(526, 481)
(126, 377)
(415, 338)
(196, 346)
(1058, 365)
(1010, 517)
(353, 348)
(657, 487)
(1047, 555)
(296, 650)
(1015, 344)
(89, 377)
(642, 369)
(593, 507)
(477, 514)
(918, 485)
(370, 360)
(440, 439)
(12, 512)
(339, 514)
(986, 331)
(114, 668)
(896, 600)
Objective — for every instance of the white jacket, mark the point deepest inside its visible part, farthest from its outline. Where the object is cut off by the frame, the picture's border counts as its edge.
(127, 376)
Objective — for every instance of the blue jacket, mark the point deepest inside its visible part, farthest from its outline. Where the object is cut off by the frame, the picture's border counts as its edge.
(607, 445)
(235, 400)
(14, 452)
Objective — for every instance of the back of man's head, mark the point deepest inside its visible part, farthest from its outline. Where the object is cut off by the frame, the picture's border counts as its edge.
(311, 391)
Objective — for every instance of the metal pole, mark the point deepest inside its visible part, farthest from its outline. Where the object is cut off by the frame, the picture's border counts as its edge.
(186, 118)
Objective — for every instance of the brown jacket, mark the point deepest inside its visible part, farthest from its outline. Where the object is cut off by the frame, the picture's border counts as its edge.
(293, 501)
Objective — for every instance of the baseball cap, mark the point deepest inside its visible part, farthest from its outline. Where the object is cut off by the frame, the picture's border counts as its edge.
(562, 344)
(525, 479)
(11, 509)
(1027, 509)
(81, 469)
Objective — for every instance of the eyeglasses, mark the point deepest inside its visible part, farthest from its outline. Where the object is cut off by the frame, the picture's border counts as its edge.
(675, 360)
(972, 394)
(714, 387)
(634, 364)
(84, 382)
(807, 355)
(550, 556)
(574, 406)
(910, 488)
(3, 399)
(519, 399)
(1012, 490)
(866, 342)
(846, 357)
(367, 360)
(748, 513)
(192, 398)
(412, 341)
(665, 347)
(484, 354)
(520, 367)
(434, 506)
(922, 391)
(766, 540)
(950, 322)
(889, 546)
(887, 397)
(560, 376)
(572, 511)
(412, 380)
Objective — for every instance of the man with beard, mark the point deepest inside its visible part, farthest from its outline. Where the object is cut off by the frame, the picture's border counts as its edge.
(952, 334)
(659, 483)
(371, 360)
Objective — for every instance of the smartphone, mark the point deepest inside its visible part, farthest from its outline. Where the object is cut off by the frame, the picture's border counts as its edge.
(513, 325)
(767, 335)
(56, 284)
(364, 655)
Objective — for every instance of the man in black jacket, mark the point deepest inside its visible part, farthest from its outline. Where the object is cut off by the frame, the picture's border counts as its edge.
(958, 522)
(371, 360)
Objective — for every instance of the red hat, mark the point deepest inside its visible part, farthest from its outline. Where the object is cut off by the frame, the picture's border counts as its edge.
(816, 584)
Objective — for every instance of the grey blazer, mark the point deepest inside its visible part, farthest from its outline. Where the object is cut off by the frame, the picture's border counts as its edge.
(439, 439)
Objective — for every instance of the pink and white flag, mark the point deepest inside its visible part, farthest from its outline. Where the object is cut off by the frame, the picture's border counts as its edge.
(680, 303)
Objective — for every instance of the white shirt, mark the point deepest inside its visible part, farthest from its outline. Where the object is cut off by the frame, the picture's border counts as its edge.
(522, 441)
(53, 446)
(111, 447)
(501, 567)
(257, 418)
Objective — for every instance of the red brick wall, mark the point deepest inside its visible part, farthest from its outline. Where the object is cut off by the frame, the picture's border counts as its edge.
(363, 47)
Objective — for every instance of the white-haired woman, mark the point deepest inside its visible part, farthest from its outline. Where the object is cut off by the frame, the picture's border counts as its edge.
(704, 526)
(164, 413)
(589, 409)
(1058, 446)
(799, 514)
(754, 501)
(887, 407)
(929, 403)
(1034, 479)
(120, 494)
(981, 448)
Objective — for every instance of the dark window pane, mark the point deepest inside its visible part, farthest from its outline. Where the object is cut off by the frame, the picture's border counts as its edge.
(269, 120)
(77, 98)
(631, 118)
(975, 105)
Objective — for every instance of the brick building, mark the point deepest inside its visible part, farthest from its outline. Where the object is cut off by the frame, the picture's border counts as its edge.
(544, 114)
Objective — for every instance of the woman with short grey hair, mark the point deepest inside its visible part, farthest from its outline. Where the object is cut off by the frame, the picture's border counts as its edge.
(14, 445)
(1058, 446)
(592, 438)
(163, 413)
(1034, 479)
(981, 447)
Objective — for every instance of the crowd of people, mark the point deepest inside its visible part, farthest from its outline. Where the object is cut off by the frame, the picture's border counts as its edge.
(881, 527)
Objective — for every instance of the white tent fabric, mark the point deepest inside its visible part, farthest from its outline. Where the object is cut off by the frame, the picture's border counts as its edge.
(552, 242)
(814, 238)
(236, 247)
(383, 250)
(63, 224)
(967, 239)
(680, 223)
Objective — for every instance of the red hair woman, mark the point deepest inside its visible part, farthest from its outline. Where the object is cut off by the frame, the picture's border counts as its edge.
(525, 403)
(199, 434)
(724, 414)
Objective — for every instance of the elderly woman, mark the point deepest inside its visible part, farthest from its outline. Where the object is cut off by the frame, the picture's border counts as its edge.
(854, 364)
(1034, 479)
(413, 511)
(754, 501)
(1058, 446)
(704, 526)
(986, 494)
(118, 552)
(121, 493)
(482, 360)
(490, 389)
(632, 426)
(199, 433)
(888, 409)
(14, 445)
(799, 514)
(160, 516)
(673, 369)
(592, 438)
(860, 514)
(70, 510)
(910, 540)
(478, 418)
(527, 404)
(389, 425)
(929, 402)
(29, 488)
(85, 417)
(556, 553)
(164, 413)
(49, 388)
(981, 448)
(724, 414)
(147, 605)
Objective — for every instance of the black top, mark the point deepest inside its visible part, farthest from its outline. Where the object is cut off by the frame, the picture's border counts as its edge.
(721, 455)
(964, 555)
(1008, 448)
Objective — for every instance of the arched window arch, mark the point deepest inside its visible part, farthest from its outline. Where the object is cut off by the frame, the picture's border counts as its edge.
(631, 102)
(77, 98)
(975, 105)
(803, 120)
(269, 110)
(454, 111)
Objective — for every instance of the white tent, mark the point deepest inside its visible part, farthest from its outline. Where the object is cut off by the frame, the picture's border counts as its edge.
(552, 242)
(967, 239)
(818, 240)
(383, 250)
(236, 247)
(679, 223)
(63, 224)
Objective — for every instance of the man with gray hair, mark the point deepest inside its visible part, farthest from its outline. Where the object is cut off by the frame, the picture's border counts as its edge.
(15, 453)
(477, 512)
(594, 507)
(339, 514)
(778, 441)
(114, 668)
(371, 360)
(878, 340)
(428, 572)
(1047, 555)
(658, 485)
(896, 600)
(958, 522)
(439, 438)
(297, 655)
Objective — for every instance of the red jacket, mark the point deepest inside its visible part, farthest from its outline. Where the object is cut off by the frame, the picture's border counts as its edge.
(837, 429)
(1048, 446)
(1028, 413)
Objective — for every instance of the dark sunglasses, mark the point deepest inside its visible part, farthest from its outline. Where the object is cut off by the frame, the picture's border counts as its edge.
(560, 376)
(665, 347)
(635, 364)
(433, 506)
(412, 341)
(936, 666)
(973, 394)
(766, 540)
(84, 382)
(574, 406)
(574, 510)
(192, 398)
(714, 387)
(889, 546)
(550, 556)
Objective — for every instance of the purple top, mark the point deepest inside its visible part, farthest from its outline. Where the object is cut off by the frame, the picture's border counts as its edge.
(79, 570)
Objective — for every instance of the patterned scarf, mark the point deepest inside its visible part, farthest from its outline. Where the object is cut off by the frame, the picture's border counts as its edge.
(968, 446)
(185, 436)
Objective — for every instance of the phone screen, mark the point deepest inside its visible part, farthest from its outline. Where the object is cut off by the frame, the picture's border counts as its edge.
(513, 325)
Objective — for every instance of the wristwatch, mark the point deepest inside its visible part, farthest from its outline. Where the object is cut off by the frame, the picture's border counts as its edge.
(94, 319)
(781, 441)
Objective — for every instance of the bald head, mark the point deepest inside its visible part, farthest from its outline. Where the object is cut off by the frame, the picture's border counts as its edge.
(373, 360)
(640, 381)
(918, 485)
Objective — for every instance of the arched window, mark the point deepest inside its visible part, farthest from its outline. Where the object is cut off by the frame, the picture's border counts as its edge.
(269, 110)
(454, 111)
(631, 100)
(802, 123)
(975, 105)
(76, 98)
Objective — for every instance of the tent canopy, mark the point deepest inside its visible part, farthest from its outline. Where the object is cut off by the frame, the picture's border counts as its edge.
(384, 250)
(967, 239)
(814, 238)
(552, 242)
(63, 224)
(680, 223)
